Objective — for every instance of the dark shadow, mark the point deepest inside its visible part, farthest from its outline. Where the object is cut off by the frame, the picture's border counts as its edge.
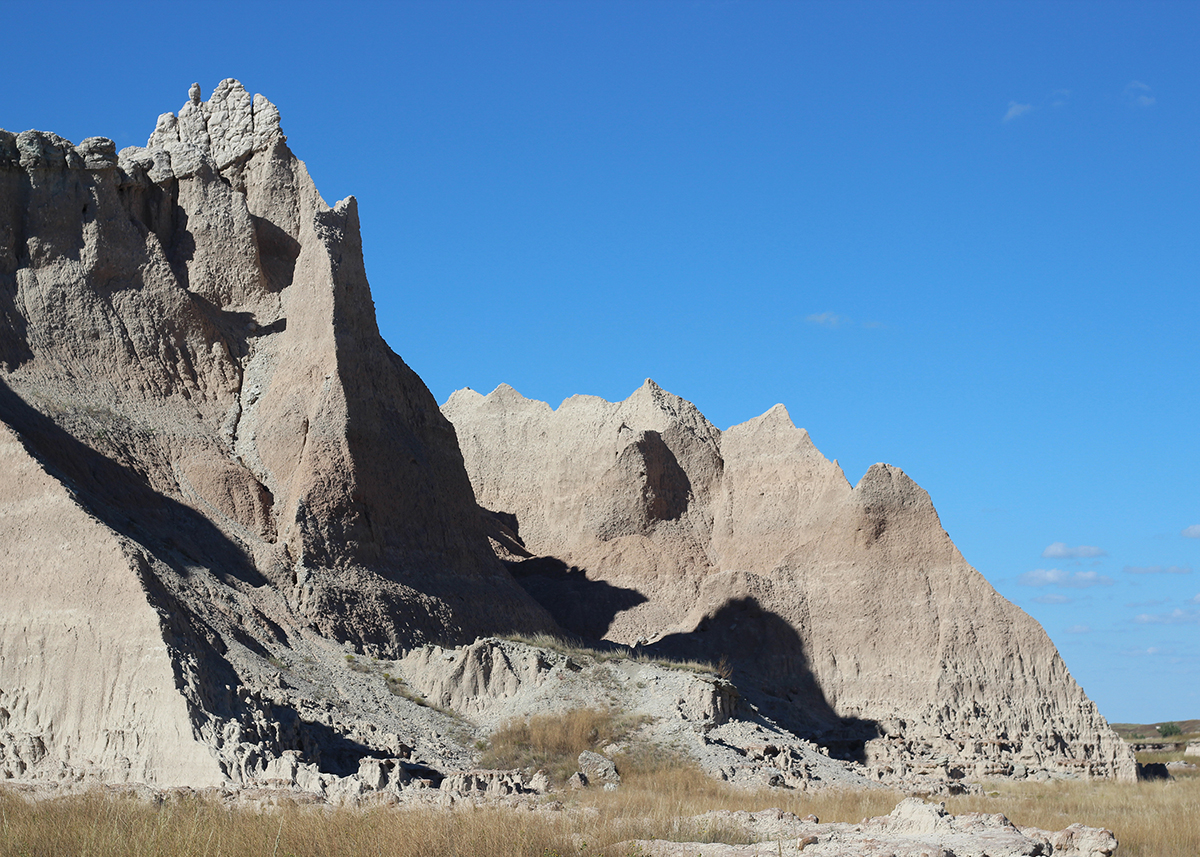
(330, 751)
(179, 245)
(1153, 771)
(14, 339)
(121, 497)
(771, 670)
(277, 251)
(235, 328)
(579, 605)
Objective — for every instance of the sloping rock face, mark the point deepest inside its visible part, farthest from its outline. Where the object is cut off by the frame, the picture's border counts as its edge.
(850, 615)
(209, 454)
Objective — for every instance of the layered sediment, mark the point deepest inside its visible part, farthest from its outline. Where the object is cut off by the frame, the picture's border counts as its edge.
(211, 453)
(847, 610)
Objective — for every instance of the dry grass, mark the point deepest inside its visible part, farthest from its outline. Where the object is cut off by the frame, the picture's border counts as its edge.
(1150, 819)
(624, 653)
(100, 826)
(1159, 819)
(553, 742)
(648, 806)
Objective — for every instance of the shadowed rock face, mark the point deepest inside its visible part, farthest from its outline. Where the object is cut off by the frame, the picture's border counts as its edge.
(847, 611)
(191, 371)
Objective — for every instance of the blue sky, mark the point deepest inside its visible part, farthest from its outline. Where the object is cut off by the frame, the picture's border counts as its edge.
(960, 238)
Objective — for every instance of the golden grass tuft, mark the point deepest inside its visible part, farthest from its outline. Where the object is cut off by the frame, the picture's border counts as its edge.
(553, 742)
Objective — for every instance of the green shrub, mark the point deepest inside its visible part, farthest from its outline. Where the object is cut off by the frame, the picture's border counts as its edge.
(1168, 729)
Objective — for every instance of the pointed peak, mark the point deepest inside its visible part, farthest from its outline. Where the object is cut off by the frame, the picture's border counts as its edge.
(505, 393)
(886, 480)
(777, 414)
(774, 419)
(463, 397)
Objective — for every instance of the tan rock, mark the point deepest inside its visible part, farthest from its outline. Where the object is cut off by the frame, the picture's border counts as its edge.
(188, 351)
(848, 608)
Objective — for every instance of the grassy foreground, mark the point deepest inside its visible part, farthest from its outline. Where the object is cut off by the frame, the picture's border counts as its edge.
(1159, 819)
(659, 792)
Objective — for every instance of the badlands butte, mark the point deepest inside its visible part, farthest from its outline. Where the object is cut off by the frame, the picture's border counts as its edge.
(243, 547)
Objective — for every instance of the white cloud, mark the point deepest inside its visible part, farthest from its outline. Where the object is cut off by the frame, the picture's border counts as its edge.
(1157, 569)
(1053, 598)
(827, 319)
(1059, 97)
(1196, 600)
(1138, 93)
(1057, 577)
(1015, 110)
(1177, 616)
(1192, 532)
(1079, 629)
(1059, 550)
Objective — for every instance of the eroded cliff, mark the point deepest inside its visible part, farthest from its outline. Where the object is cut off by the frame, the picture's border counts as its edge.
(848, 611)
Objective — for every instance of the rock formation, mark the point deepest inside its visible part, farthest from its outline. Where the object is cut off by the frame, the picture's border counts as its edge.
(209, 453)
(913, 829)
(239, 543)
(849, 613)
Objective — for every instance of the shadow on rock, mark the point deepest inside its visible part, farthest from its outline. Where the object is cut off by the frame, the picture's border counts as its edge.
(120, 497)
(772, 672)
(580, 605)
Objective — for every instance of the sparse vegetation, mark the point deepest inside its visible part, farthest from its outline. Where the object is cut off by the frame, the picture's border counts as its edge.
(1150, 819)
(553, 742)
(1156, 819)
(575, 650)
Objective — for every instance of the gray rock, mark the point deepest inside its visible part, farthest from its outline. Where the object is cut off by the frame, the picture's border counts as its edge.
(597, 768)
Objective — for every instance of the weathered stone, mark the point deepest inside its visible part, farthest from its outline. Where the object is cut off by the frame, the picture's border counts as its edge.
(211, 456)
(597, 768)
(845, 610)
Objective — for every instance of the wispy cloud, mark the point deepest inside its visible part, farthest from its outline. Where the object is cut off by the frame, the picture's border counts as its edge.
(1139, 94)
(1157, 569)
(1059, 550)
(1178, 616)
(1053, 598)
(1059, 97)
(834, 320)
(1057, 577)
(1196, 600)
(827, 319)
(1151, 650)
(1015, 110)
(1192, 532)
(1079, 629)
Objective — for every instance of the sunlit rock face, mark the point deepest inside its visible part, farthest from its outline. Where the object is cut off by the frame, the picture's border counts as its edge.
(847, 611)
(208, 450)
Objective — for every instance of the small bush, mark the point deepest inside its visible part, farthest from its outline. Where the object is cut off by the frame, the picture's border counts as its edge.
(1168, 729)
(553, 742)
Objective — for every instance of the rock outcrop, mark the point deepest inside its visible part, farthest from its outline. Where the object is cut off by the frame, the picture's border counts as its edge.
(211, 459)
(913, 829)
(239, 543)
(849, 614)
